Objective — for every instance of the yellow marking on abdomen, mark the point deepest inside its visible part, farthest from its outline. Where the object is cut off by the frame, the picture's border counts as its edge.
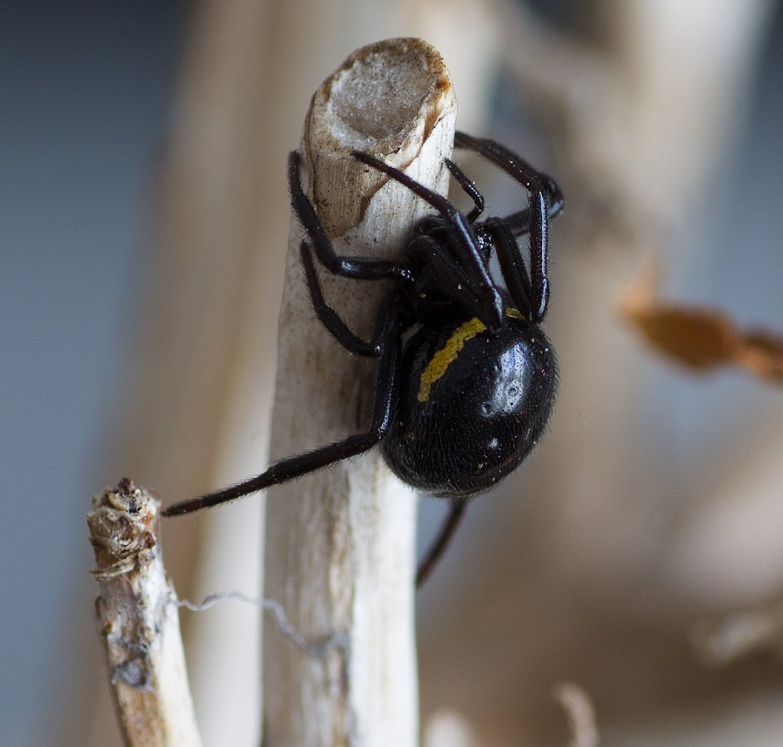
(445, 357)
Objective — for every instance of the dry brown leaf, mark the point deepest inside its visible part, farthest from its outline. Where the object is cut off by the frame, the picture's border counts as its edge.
(761, 352)
(699, 338)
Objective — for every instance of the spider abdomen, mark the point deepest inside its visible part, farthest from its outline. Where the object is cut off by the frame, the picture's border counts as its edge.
(472, 405)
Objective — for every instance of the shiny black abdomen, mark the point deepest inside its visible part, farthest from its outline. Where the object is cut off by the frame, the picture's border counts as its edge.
(472, 405)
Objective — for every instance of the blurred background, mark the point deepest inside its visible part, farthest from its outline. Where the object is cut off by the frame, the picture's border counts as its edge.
(143, 220)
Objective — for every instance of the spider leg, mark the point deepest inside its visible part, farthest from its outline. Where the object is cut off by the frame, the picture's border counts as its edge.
(442, 540)
(517, 168)
(511, 265)
(519, 222)
(358, 268)
(452, 276)
(491, 312)
(331, 319)
(469, 188)
(387, 329)
(542, 192)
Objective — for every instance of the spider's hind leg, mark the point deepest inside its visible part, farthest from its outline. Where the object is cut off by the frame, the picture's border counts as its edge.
(388, 332)
(442, 540)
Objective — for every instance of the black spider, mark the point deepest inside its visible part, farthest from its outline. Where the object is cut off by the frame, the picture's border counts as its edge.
(464, 399)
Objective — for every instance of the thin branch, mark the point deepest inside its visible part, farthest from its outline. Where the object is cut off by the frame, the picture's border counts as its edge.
(719, 642)
(581, 715)
(340, 543)
(138, 619)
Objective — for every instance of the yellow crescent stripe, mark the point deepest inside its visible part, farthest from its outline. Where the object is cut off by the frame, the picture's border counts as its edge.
(445, 357)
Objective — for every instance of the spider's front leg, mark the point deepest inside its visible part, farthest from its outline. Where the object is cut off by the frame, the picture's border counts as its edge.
(469, 188)
(358, 268)
(544, 202)
(519, 170)
(471, 265)
(332, 320)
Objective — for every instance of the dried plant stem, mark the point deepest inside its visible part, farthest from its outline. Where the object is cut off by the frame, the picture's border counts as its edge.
(581, 715)
(340, 543)
(139, 622)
